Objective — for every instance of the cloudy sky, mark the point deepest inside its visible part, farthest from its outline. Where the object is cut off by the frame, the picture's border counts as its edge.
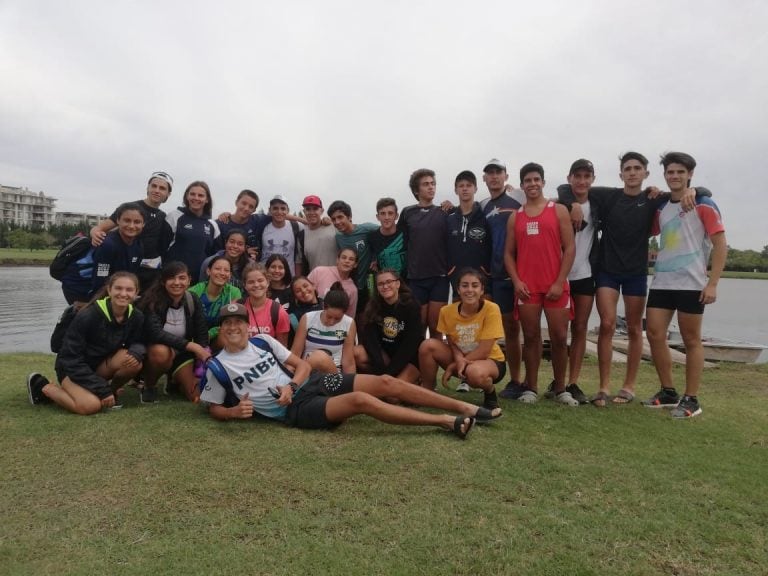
(345, 99)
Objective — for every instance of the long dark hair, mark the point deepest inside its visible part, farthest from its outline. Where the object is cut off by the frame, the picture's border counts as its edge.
(336, 297)
(156, 298)
(287, 278)
(104, 290)
(372, 312)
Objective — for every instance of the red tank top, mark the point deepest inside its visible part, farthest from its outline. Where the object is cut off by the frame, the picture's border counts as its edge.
(539, 248)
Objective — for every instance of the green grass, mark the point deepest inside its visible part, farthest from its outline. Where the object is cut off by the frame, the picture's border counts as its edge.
(545, 490)
(20, 257)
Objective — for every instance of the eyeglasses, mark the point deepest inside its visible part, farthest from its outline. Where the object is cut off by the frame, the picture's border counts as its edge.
(385, 283)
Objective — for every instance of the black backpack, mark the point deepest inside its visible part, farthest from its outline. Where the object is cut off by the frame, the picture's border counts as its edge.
(57, 338)
(74, 248)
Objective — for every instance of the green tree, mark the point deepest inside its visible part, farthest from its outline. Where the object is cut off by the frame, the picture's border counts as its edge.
(19, 238)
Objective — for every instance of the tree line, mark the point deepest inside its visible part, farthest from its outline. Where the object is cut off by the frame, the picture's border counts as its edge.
(38, 238)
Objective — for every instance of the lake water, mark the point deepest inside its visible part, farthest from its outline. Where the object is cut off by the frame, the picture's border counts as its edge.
(31, 302)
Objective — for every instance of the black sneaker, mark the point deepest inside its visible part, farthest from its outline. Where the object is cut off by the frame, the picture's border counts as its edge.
(490, 400)
(512, 391)
(35, 384)
(664, 398)
(687, 408)
(577, 393)
(148, 395)
(550, 393)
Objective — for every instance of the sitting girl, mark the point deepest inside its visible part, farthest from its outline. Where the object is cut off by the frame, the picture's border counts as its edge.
(279, 275)
(176, 333)
(323, 277)
(392, 330)
(216, 292)
(265, 316)
(472, 326)
(102, 350)
(326, 338)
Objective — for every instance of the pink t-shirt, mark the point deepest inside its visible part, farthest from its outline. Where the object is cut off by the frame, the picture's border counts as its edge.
(323, 277)
(260, 320)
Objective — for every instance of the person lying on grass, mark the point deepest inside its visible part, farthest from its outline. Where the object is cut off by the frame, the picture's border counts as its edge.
(263, 377)
(472, 327)
(102, 350)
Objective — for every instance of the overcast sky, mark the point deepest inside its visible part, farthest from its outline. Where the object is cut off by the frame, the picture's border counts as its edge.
(345, 99)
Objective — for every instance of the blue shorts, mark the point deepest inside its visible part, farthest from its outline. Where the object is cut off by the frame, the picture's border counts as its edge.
(627, 284)
(502, 292)
(427, 290)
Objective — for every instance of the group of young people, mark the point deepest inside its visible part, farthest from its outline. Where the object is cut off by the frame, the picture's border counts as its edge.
(309, 323)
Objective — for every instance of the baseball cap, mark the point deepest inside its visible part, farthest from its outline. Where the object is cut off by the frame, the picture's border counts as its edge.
(278, 198)
(233, 310)
(582, 164)
(312, 200)
(467, 175)
(496, 163)
(163, 176)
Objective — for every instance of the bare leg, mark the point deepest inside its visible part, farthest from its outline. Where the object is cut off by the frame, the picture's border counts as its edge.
(433, 353)
(512, 347)
(158, 362)
(410, 374)
(634, 306)
(582, 309)
(530, 320)
(322, 362)
(607, 300)
(481, 374)
(557, 323)
(657, 326)
(690, 330)
(73, 398)
(362, 361)
(339, 408)
(185, 377)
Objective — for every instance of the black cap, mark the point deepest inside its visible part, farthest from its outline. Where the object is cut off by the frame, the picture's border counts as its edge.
(582, 164)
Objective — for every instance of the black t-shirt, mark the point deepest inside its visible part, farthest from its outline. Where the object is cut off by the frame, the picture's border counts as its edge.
(156, 235)
(425, 229)
(389, 251)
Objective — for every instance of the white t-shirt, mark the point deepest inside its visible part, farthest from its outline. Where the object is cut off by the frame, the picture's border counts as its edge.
(252, 370)
(320, 247)
(322, 337)
(584, 238)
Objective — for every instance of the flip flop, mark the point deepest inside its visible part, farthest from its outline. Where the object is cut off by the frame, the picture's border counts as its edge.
(459, 422)
(485, 415)
(600, 400)
(623, 397)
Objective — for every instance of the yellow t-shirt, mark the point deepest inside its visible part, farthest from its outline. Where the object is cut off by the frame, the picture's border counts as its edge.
(467, 332)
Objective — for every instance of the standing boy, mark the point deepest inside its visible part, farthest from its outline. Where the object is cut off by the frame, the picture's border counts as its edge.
(424, 227)
(388, 243)
(681, 284)
(281, 238)
(538, 256)
(318, 239)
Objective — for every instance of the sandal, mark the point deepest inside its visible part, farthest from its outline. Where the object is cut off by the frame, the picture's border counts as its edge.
(460, 421)
(485, 415)
(623, 397)
(600, 399)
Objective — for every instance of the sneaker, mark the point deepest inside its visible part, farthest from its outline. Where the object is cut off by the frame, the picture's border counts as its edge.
(490, 400)
(550, 393)
(512, 391)
(664, 398)
(566, 399)
(35, 384)
(687, 408)
(463, 387)
(577, 393)
(148, 395)
(528, 396)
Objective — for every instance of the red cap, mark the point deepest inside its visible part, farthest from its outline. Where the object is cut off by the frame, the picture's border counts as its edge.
(312, 201)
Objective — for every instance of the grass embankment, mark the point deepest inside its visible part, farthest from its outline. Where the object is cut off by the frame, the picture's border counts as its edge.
(20, 257)
(545, 490)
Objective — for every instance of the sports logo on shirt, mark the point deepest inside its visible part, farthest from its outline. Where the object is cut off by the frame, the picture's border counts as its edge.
(532, 228)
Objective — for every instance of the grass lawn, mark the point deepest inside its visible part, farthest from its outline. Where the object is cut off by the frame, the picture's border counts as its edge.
(545, 490)
(19, 256)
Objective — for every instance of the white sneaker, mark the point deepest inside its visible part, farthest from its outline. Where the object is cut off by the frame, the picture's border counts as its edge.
(528, 397)
(567, 399)
(463, 387)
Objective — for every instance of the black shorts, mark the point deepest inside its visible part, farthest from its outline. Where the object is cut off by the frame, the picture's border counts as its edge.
(502, 367)
(686, 301)
(308, 407)
(583, 287)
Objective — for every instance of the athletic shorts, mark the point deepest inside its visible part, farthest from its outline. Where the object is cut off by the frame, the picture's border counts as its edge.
(502, 367)
(180, 360)
(502, 292)
(434, 289)
(582, 287)
(627, 284)
(686, 301)
(308, 407)
(540, 299)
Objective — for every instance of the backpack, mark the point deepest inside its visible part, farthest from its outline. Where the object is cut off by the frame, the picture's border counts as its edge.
(74, 248)
(57, 337)
(218, 370)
